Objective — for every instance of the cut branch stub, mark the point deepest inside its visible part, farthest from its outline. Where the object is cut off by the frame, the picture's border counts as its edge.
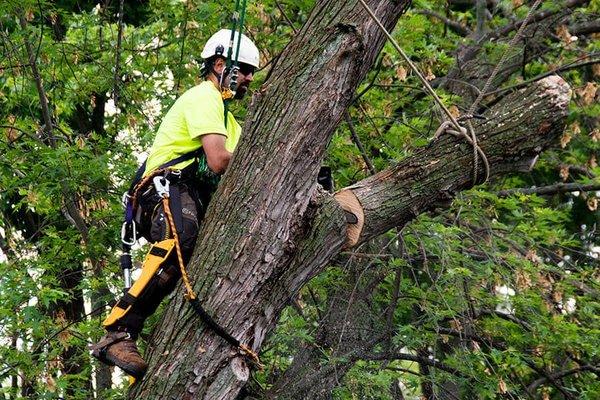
(355, 216)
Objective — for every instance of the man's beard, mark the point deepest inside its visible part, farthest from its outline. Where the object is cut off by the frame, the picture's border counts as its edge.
(240, 92)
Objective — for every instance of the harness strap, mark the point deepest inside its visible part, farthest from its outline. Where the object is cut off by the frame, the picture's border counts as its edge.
(142, 168)
(175, 200)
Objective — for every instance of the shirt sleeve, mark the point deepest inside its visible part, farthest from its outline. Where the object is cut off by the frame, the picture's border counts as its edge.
(204, 113)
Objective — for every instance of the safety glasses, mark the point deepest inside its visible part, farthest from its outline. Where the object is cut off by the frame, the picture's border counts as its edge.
(247, 69)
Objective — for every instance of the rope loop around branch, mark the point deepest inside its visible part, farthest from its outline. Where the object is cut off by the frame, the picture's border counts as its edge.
(467, 133)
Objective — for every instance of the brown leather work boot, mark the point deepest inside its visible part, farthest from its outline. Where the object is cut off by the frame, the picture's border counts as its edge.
(118, 348)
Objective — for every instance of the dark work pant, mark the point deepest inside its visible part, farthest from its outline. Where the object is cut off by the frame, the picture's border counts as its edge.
(165, 281)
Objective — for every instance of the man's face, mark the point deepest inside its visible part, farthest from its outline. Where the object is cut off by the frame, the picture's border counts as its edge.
(245, 77)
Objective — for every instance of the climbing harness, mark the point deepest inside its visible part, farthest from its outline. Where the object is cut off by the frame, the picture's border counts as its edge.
(161, 251)
(452, 125)
(129, 229)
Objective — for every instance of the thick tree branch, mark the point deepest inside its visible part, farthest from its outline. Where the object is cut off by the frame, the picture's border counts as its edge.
(393, 197)
(585, 28)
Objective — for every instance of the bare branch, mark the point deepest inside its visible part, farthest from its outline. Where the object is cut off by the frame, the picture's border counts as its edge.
(566, 67)
(453, 25)
(586, 28)
(558, 375)
(411, 357)
(284, 15)
(539, 16)
(552, 189)
(359, 144)
(507, 317)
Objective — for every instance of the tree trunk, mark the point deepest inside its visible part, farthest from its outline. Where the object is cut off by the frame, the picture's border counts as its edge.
(269, 230)
(102, 371)
(243, 259)
(74, 358)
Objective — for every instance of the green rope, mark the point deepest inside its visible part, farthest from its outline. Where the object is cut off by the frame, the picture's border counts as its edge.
(241, 27)
(234, 20)
(237, 23)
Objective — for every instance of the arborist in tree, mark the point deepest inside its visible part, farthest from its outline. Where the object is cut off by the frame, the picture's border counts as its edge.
(168, 198)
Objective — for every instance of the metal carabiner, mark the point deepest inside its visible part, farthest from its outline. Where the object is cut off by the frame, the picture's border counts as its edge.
(162, 189)
(124, 234)
(125, 199)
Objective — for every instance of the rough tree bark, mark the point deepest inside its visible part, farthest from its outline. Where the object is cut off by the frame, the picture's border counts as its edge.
(269, 230)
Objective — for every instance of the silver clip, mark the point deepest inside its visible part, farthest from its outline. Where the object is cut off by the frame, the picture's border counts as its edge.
(162, 189)
(124, 199)
(127, 278)
(124, 233)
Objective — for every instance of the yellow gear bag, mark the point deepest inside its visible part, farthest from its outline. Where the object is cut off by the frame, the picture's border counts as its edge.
(157, 255)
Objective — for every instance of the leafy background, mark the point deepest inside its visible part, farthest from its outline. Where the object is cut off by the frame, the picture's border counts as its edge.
(495, 297)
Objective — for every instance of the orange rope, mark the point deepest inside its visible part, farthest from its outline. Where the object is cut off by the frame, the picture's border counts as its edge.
(190, 295)
(142, 184)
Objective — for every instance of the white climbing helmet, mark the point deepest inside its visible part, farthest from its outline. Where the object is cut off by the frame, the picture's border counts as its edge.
(219, 44)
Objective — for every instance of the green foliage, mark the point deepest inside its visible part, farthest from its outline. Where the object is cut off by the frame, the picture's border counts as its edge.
(457, 269)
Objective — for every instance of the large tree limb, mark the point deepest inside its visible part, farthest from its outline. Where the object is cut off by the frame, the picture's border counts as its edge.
(516, 129)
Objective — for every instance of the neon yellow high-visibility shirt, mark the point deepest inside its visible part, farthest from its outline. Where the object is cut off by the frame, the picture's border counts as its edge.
(199, 111)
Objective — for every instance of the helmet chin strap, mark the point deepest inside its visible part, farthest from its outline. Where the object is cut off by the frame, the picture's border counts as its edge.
(228, 91)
